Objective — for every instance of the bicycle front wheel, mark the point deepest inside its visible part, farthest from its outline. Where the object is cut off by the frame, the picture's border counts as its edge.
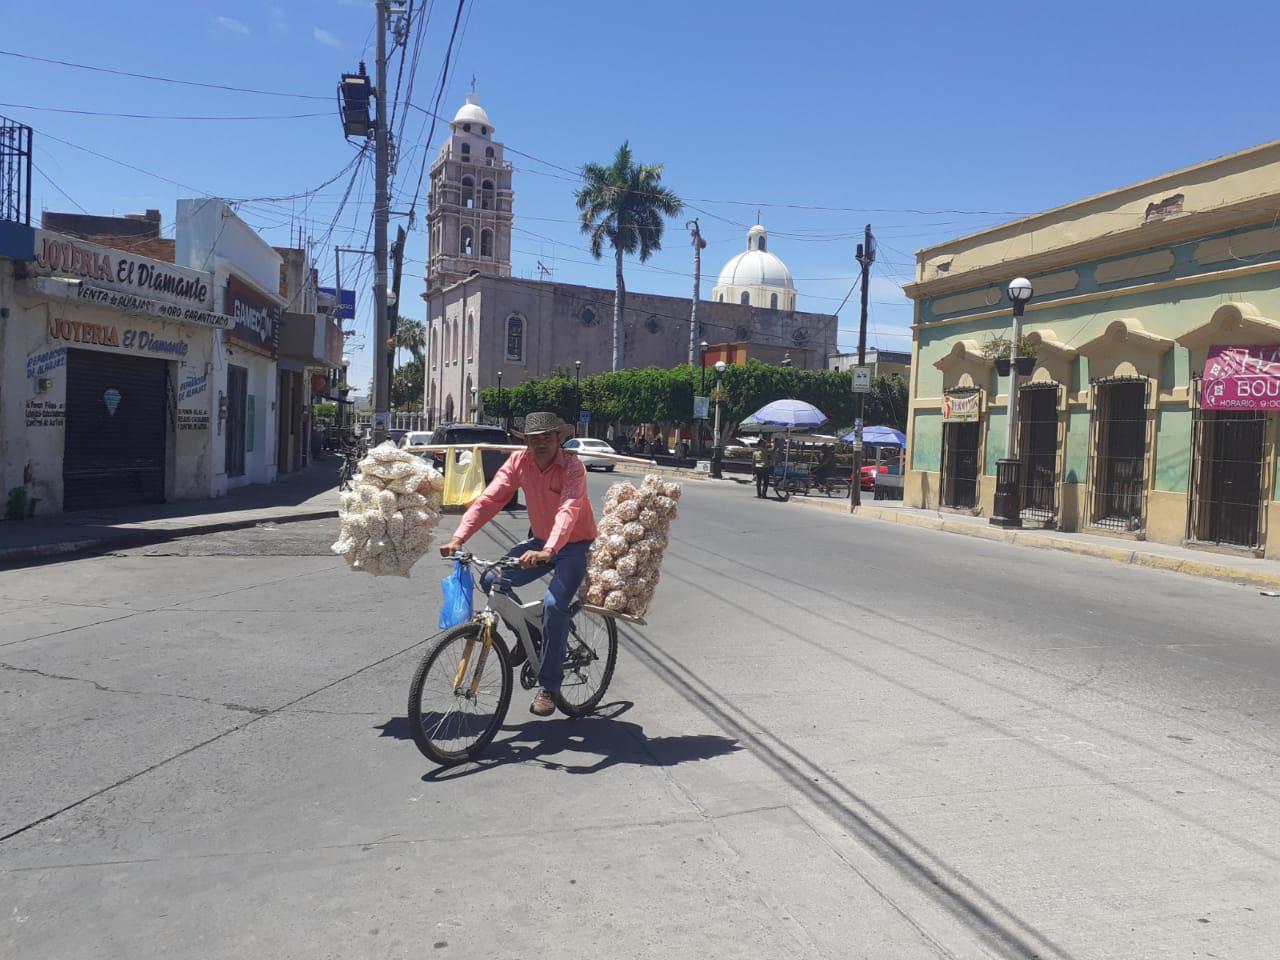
(459, 695)
(589, 661)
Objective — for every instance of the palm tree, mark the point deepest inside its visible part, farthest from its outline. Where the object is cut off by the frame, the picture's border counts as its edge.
(624, 203)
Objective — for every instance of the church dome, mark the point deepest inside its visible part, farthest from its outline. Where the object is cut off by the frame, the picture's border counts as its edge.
(472, 112)
(756, 266)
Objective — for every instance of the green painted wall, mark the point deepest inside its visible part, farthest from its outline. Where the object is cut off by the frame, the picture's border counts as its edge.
(996, 420)
(1173, 447)
(1076, 460)
(926, 453)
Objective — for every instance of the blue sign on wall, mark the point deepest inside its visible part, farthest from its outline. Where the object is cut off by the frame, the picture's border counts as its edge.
(346, 303)
(584, 416)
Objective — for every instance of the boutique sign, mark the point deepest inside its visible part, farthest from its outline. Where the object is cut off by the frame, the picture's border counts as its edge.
(121, 272)
(255, 320)
(1241, 378)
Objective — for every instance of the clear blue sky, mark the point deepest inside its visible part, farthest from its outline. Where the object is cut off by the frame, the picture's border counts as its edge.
(890, 111)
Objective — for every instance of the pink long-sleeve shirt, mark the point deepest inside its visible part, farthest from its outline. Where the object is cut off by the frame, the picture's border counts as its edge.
(559, 508)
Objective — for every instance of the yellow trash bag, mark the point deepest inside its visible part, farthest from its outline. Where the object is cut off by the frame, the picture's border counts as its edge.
(463, 477)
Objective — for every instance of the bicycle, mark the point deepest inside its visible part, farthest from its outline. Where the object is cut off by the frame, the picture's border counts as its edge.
(469, 701)
(352, 451)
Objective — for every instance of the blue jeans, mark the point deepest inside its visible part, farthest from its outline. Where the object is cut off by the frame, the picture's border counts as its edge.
(568, 570)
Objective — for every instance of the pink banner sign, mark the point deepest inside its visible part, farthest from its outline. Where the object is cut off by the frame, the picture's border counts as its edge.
(1242, 378)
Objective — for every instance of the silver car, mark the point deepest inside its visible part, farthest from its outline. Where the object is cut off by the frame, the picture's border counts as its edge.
(583, 447)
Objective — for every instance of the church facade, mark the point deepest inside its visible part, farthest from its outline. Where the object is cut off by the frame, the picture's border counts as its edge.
(484, 324)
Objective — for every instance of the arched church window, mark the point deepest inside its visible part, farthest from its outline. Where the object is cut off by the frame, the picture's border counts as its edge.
(773, 301)
(486, 243)
(515, 338)
(485, 131)
(486, 195)
(466, 243)
(466, 152)
(468, 192)
(466, 127)
(720, 298)
(488, 152)
(745, 299)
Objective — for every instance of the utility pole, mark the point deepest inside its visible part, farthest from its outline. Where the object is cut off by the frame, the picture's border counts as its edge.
(698, 246)
(381, 212)
(866, 256)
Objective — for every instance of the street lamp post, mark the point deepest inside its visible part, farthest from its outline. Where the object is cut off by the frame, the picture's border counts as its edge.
(577, 394)
(1008, 503)
(717, 455)
(502, 411)
(474, 410)
(702, 392)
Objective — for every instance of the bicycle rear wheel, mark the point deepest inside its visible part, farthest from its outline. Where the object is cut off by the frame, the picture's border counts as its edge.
(454, 711)
(589, 661)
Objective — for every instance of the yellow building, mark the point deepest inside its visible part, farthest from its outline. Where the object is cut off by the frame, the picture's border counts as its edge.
(1150, 409)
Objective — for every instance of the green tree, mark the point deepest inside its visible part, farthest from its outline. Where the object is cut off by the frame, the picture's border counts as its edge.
(624, 204)
(411, 335)
(407, 386)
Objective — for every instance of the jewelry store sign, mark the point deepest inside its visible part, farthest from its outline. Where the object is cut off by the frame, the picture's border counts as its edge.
(120, 272)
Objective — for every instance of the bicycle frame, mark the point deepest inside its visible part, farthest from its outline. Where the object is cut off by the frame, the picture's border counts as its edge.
(501, 603)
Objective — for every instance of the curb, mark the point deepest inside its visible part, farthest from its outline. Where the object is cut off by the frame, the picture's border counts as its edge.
(1029, 538)
(69, 549)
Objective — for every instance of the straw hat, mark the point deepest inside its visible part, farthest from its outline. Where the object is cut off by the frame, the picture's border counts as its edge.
(544, 422)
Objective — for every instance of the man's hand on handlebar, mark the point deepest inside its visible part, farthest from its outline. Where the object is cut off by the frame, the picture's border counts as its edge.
(447, 550)
(536, 558)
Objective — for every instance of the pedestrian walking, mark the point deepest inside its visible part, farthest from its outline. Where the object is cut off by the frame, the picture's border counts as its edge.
(762, 462)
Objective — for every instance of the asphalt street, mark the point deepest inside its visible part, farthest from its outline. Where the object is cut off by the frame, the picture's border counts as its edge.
(835, 738)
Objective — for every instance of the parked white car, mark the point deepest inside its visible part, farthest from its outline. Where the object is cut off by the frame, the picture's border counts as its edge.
(416, 438)
(583, 447)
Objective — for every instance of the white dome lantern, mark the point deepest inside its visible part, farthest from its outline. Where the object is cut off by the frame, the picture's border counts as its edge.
(471, 112)
(756, 277)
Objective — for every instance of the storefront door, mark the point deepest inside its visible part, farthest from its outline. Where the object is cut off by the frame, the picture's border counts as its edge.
(1038, 445)
(960, 465)
(1233, 445)
(237, 405)
(115, 430)
(1120, 454)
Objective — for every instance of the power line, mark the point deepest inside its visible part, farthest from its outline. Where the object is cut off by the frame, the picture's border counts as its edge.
(163, 116)
(174, 80)
(55, 186)
(435, 112)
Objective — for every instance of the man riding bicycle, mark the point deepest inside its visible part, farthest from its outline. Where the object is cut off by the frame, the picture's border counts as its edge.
(563, 526)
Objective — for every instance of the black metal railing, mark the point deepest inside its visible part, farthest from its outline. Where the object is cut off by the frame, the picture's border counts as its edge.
(15, 171)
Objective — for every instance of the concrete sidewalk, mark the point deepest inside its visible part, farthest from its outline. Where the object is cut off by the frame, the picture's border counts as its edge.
(309, 494)
(1235, 567)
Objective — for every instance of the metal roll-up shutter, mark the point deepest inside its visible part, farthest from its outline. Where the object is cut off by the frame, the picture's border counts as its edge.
(115, 430)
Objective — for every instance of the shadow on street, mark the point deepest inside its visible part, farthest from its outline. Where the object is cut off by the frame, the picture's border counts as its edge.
(602, 740)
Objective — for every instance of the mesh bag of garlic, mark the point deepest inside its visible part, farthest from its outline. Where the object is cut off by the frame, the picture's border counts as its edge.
(390, 513)
(626, 557)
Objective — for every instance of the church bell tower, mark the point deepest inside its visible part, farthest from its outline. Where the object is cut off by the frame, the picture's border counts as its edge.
(469, 223)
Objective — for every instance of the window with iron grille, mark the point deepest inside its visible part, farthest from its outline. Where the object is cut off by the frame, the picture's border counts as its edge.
(1120, 427)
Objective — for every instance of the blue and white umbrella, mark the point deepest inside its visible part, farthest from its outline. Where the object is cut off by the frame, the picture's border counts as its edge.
(878, 437)
(785, 415)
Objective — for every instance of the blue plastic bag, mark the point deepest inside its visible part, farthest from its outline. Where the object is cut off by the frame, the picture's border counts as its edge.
(458, 588)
